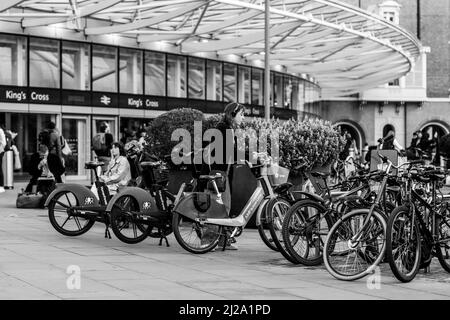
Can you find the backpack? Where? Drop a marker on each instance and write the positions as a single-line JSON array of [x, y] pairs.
[[44, 138], [98, 142]]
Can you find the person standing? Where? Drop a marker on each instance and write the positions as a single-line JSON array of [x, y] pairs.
[[102, 144], [2, 153], [232, 118], [51, 138]]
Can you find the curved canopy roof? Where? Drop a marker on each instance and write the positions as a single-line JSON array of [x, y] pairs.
[[343, 47]]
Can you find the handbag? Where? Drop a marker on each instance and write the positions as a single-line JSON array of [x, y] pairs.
[[29, 200], [65, 147]]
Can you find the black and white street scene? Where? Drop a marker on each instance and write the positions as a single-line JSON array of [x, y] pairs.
[[238, 150]]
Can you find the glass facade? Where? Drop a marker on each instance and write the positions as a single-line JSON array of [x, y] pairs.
[[155, 73], [176, 76], [44, 63], [76, 66], [229, 82], [13, 60], [257, 86], [104, 68], [130, 71], [214, 80], [196, 78], [244, 85], [84, 67]]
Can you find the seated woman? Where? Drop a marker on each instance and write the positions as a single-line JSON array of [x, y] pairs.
[[118, 173], [38, 167]]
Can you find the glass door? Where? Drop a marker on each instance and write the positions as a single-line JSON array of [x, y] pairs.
[[110, 121], [75, 130]]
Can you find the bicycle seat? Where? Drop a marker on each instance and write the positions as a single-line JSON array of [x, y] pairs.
[[282, 188], [209, 177], [320, 174], [93, 164], [151, 164]]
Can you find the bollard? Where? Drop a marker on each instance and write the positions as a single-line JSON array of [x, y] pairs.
[[8, 169]]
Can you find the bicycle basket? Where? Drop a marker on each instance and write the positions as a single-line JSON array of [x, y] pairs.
[[277, 175]]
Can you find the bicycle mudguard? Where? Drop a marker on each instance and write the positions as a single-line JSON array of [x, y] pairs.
[[188, 208], [309, 195], [261, 207], [147, 204], [86, 198]]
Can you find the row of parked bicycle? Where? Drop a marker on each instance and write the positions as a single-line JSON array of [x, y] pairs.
[[394, 214]]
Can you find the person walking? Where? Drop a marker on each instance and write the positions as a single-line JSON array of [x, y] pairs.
[[102, 145], [2, 153]]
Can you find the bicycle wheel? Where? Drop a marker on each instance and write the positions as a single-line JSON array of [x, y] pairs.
[[124, 222], [64, 219], [194, 236], [403, 249], [304, 231], [443, 243], [264, 231], [276, 210], [349, 258]]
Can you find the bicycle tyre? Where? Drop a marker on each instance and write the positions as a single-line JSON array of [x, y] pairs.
[[341, 227], [297, 213], [264, 231], [206, 243], [60, 203], [275, 218], [443, 232], [397, 231], [123, 217]]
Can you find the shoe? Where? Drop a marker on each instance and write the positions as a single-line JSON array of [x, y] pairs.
[[2, 189], [231, 247]]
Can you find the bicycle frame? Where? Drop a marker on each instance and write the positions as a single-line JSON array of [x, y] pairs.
[[262, 194]]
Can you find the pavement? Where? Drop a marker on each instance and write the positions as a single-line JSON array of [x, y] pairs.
[[36, 262]]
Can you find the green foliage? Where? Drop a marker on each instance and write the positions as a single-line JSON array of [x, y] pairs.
[[160, 131], [314, 140]]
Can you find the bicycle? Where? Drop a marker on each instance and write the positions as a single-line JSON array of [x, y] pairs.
[[200, 218], [420, 228], [356, 243], [308, 221]]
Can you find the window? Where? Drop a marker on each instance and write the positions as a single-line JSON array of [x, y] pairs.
[[196, 78], [229, 82], [244, 84], [214, 80], [288, 92], [75, 66], [130, 71], [394, 83], [104, 68], [389, 16], [278, 90], [44, 63], [176, 76], [13, 60], [257, 86], [155, 73]]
